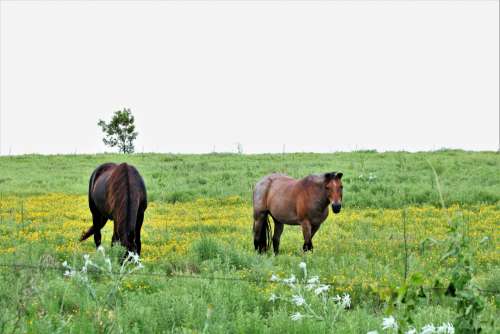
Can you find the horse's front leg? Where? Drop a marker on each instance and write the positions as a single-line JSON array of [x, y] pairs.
[[314, 229], [115, 238], [307, 232]]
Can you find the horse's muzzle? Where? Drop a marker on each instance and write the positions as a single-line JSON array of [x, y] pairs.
[[336, 207]]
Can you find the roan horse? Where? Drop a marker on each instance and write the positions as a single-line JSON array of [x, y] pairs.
[[117, 192], [293, 202]]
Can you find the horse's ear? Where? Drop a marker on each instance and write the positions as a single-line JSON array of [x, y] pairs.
[[339, 176], [329, 176]]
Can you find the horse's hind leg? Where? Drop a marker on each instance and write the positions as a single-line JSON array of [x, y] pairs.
[[278, 229], [261, 227], [114, 238], [99, 222], [138, 225], [260, 232]]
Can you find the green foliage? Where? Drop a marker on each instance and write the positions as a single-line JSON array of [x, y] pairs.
[[206, 248], [120, 131], [398, 179], [469, 301], [405, 299], [41, 300], [308, 298]]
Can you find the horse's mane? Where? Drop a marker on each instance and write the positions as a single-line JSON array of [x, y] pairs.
[[312, 180], [118, 195]]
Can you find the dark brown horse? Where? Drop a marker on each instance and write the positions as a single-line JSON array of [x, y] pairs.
[[117, 192], [289, 201]]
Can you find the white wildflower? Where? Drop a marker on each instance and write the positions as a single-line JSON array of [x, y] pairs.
[[337, 298], [298, 300], [108, 262], [322, 288], [134, 257], [273, 297], [69, 273], [100, 249], [86, 257], [303, 266], [428, 329], [389, 323], [446, 328], [411, 331], [290, 280], [313, 280], [274, 278], [312, 283], [346, 300], [296, 316]]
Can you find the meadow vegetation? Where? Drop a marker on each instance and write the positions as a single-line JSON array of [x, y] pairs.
[[383, 180], [201, 273]]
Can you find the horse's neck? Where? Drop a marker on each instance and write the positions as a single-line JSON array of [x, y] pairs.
[[320, 196], [324, 202]]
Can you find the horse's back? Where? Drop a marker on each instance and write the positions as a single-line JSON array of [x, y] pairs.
[[268, 186], [137, 185], [102, 171], [110, 178], [132, 181], [97, 186]]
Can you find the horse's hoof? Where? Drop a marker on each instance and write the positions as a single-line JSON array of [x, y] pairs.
[[307, 247]]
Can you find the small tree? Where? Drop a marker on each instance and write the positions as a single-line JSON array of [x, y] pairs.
[[120, 131]]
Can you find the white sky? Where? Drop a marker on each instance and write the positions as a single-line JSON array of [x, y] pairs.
[[321, 76]]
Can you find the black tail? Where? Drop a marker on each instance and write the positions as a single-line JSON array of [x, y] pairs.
[[265, 237], [124, 204], [86, 235]]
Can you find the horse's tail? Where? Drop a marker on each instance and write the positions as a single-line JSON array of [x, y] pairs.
[[269, 233], [124, 205], [264, 238]]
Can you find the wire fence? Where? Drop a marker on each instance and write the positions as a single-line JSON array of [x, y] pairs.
[[172, 275]]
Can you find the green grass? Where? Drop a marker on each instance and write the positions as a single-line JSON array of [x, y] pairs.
[[353, 252], [397, 178]]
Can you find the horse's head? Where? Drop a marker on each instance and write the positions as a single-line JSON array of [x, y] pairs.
[[333, 184]]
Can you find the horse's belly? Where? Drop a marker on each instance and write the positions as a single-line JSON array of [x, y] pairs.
[[285, 217], [292, 222], [281, 208]]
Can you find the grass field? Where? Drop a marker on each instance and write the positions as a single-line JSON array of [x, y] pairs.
[[201, 273]]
